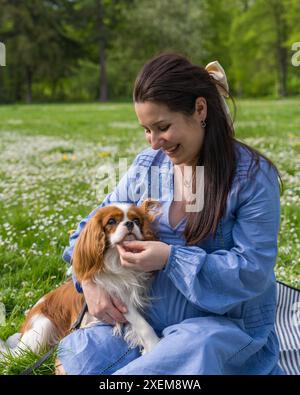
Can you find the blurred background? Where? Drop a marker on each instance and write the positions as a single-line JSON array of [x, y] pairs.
[[91, 50]]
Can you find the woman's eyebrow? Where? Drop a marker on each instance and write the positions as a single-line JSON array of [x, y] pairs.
[[155, 123]]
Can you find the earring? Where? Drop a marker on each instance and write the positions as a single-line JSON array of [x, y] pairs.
[[203, 123]]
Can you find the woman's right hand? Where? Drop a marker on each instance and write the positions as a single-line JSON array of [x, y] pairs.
[[101, 305]]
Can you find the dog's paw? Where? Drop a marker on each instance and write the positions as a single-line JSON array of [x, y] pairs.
[[146, 350], [150, 346], [117, 330], [143, 352]]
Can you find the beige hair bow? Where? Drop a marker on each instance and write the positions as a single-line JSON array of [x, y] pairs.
[[217, 72]]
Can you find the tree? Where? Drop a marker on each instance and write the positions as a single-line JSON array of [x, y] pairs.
[[278, 12], [38, 46], [99, 26], [259, 47], [148, 28]]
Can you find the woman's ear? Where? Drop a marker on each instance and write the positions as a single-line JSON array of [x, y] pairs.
[[88, 252], [201, 108]]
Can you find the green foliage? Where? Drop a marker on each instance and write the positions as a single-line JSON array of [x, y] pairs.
[[38, 47], [65, 50]]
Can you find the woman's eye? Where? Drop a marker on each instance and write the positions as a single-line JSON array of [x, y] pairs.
[[111, 221], [137, 221], [164, 129], [161, 129]]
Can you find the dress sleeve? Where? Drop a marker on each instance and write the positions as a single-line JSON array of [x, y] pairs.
[[219, 281], [124, 192]]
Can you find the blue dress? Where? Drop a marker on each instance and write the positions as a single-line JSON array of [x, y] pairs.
[[214, 303]]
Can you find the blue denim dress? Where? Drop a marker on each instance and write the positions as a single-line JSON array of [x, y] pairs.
[[214, 303]]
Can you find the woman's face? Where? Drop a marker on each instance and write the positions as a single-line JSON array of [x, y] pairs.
[[179, 136]]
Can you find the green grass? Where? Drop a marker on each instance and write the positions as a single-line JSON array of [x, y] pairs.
[[53, 158], [15, 365]]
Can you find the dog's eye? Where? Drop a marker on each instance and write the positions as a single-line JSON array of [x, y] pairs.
[[137, 221], [111, 221]]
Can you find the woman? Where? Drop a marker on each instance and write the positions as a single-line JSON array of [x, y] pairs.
[[214, 290]]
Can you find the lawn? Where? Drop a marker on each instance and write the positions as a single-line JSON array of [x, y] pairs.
[[53, 164]]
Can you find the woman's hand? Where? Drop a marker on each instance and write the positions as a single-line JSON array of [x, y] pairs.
[[144, 256], [101, 305]]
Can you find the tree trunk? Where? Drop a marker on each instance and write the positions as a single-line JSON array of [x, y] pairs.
[[103, 91], [18, 85], [29, 85], [103, 76], [282, 71], [54, 90], [281, 50]]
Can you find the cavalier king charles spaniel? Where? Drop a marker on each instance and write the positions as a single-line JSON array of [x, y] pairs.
[[96, 257]]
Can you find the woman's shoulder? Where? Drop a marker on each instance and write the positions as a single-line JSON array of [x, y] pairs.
[[252, 166], [255, 182]]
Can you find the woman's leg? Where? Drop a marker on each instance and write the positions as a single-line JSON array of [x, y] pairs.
[[201, 345], [94, 351]]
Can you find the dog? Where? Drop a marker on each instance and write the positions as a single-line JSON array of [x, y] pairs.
[[96, 257]]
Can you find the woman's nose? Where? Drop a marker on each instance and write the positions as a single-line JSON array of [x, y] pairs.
[[155, 141]]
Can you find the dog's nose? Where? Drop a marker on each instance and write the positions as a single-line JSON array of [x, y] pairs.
[[129, 225]]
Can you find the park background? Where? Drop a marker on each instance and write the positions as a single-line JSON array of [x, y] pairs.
[[66, 116]]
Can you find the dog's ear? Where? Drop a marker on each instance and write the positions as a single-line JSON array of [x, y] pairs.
[[152, 208], [88, 252]]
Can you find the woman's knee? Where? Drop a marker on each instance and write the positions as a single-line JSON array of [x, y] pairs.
[[94, 350]]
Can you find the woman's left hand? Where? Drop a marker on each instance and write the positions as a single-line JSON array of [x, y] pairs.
[[144, 256]]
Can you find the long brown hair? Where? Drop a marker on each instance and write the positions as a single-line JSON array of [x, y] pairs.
[[172, 80]]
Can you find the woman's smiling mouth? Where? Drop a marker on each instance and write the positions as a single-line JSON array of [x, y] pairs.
[[172, 150]]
